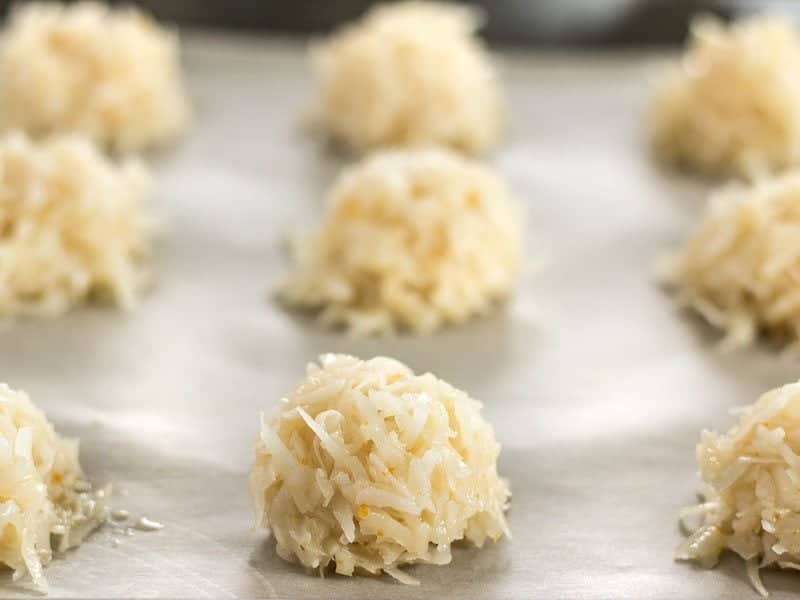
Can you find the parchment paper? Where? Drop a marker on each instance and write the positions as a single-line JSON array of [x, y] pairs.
[[597, 387]]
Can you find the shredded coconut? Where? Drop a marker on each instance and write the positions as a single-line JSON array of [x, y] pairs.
[[371, 467], [751, 499], [112, 74], [72, 227], [409, 74], [412, 239], [45, 505], [733, 104], [740, 268]]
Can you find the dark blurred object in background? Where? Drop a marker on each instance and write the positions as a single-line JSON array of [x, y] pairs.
[[519, 22], [540, 22], [544, 22]]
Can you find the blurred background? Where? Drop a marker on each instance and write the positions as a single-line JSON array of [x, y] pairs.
[[514, 22]]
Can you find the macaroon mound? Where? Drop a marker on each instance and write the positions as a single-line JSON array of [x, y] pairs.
[[751, 499], [45, 503], [740, 268], [733, 104], [72, 227], [412, 240], [111, 74], [422, 76], [369, 466]]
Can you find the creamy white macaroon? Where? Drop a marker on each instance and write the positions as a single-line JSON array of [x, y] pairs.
[[45, 503], [74, 226], [368, 467], [409, 74], [411, 240], [739, 267], [732, 106], [751, 501], [112, 74]]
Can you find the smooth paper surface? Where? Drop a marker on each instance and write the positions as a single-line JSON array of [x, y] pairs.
[[597, 385]]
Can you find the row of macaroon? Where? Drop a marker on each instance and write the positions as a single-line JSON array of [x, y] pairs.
[[696, 121]]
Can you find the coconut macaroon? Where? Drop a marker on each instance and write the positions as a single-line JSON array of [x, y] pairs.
[[111, 74], [411, 239], [46, 505], [751, 500], [740, 268], [733, 104], [409, 74], [73, 227], [369, 466]]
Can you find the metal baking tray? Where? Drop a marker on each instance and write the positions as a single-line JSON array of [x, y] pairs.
[[597, 386]]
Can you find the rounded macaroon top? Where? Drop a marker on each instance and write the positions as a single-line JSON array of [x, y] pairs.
[[41, 501], [423, 77], [733, 104], [74, 226], [738, 267], [751, 505], [112, 74], [411, 239], [370, 466]]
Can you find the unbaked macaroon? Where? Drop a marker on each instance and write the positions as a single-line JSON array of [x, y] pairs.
[[410, 240], [370, 467], [740, 267], [732, 106], [110, 73], [409, 74], [74, 226], [46, 505], [751, 501]]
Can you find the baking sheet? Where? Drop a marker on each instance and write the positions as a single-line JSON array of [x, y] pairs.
[[597, 387]]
